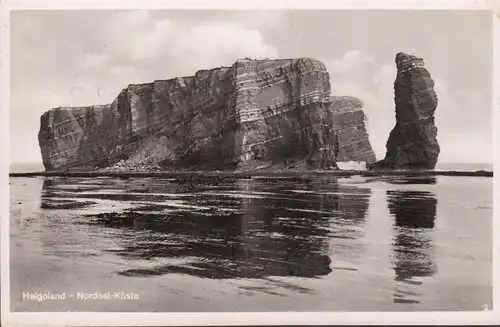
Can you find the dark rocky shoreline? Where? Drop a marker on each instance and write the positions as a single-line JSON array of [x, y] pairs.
[[340, 173]]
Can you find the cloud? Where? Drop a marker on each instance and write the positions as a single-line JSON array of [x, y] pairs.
[[383, 78], [350, 61], [166, 50], [223, 39], [136, 35]]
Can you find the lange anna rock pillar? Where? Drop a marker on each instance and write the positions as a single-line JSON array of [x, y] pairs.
[[412, 143]]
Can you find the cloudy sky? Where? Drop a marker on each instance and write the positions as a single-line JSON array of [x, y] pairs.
[[75, 58]]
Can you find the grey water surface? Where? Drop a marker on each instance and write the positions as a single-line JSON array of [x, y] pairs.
[[256, 244]]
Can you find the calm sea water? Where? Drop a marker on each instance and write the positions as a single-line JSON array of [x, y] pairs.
[[260, 244]]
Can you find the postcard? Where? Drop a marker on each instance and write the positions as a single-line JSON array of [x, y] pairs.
[[294, 162]]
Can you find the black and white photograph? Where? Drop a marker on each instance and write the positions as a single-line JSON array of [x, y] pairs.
[[256, 160]]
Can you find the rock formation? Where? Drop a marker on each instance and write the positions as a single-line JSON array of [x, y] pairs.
[[256, 114], [412, 143]]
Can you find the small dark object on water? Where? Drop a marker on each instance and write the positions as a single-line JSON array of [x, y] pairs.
[[139, 190]]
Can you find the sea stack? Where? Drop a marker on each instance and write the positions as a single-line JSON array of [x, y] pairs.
[[253, 115], [412, 143]]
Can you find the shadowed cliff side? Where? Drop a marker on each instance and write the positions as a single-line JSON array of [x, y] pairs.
[[256, 114], [412, 143]]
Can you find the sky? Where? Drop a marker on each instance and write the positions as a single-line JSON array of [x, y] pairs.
[[77, 58]]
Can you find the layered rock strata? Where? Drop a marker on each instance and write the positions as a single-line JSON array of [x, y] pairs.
[[254, 114], [412, 143]]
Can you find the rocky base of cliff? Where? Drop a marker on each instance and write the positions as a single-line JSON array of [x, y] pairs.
[[255, 166]]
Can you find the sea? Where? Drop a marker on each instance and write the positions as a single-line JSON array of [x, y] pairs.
[[253, 244]]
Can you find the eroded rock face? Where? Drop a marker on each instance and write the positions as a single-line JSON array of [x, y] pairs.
[[412, 143], [255, 114]]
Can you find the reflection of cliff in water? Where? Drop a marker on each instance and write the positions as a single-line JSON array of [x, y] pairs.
[[251, 228], [414, 213]]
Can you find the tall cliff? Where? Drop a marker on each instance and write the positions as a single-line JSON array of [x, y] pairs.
[[412, 143], [254, 114]]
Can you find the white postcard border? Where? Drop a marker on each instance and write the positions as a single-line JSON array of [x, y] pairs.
[[267, 318]]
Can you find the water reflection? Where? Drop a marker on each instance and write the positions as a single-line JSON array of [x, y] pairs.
[[224, 227], [414, 213], [118, 232], [415, 180], [408, 180]]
